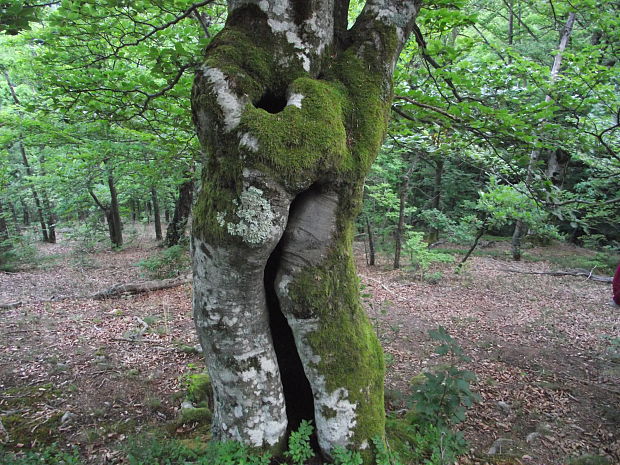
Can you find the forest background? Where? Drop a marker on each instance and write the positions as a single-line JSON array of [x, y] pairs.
[[505, 125]]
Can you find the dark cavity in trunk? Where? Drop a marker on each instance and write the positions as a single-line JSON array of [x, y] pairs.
[[297, 391]]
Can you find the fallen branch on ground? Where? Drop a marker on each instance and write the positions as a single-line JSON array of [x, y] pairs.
[[115, 291], [139, 288], [576, 272], [9, 305]]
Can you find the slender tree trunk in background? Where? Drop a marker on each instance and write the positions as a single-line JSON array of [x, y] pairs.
[[182, 210], [481, 232], [29, 171], [511, 24], [292, 108], [14, 215], [134, 210], [114, 227], [25, 213], [35, 194], [371, 243], [114, 215], [156, 214], [433, 234], [51, 219], [400, 229], [520, 226], [49, 208], [166, 215], [4, 235], [4, 230]]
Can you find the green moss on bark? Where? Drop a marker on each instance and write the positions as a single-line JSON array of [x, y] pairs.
[[298, 143], [350, 354]]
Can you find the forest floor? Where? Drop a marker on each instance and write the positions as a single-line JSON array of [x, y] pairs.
[[545, 350]]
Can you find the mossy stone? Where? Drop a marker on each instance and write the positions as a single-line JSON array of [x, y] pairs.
[[199, 388], [201, 415]]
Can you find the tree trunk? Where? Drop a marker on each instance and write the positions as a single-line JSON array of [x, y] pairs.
[[14, 215], [371, 244], [4, 230], [29, 171], [520, 227], [291, 108], [134, 210], [433, 234], [25, 212], [51, 219], [35, 194], [113, 215], [400, 229], [156, 214], [182, 209]]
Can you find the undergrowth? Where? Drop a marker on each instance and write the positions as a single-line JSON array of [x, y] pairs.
[[424, 435], [168, 263]]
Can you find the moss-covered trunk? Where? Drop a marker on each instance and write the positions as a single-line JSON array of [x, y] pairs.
[[291, 109]]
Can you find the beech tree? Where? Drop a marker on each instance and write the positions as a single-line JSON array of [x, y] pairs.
[[291, 108]]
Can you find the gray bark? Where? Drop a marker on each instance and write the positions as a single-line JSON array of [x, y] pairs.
[[291, 123]]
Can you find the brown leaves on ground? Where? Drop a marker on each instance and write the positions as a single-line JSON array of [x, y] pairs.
[[544, 349]]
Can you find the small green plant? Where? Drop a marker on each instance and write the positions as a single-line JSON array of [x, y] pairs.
[[299, 448], [342, 456], [51, 455], [231, 453], [150, 450], [443, 398], [420, 256], [168, 263]]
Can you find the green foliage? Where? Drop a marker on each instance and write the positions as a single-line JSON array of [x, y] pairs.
[[89, 235], [150, 450], [420, 256], [416, 442], [51, 455], [343, 456], [299, 448], [17, 252], [170, 262], [444, 397]]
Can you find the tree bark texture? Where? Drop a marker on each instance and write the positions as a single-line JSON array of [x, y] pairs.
[[291, 109], [182, 210]]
